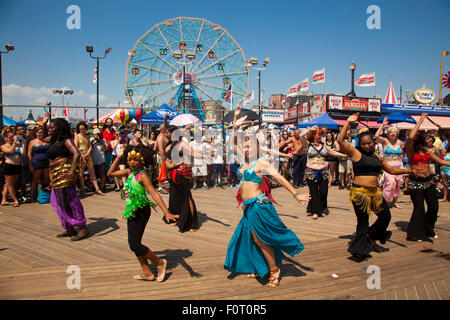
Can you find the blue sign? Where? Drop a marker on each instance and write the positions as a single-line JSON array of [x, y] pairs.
[[416, 109]]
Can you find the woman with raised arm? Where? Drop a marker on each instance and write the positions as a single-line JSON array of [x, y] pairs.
[[317, 173], [260, 238], [138, 206], [393, 154], [63, 164], [365, 195], [420, 185]]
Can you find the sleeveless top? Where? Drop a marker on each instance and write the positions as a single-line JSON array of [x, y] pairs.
[[367, 165], [389, 151], [313, 152], [135, 195], [418, 158], [83, 144], [249, 174], [58, 149]]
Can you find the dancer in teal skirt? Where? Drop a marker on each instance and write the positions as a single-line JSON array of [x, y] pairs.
[[260, 238]]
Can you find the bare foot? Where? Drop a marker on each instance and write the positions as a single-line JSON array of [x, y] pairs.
[[396, 205], [150, 277], [442, 200], [161, 270], [315, 216], [192, 230]]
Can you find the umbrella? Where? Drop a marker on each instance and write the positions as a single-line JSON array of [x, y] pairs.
[[157, 116], [183, 120], [251, 115], [396, 117], [323, 120], [8, 122]]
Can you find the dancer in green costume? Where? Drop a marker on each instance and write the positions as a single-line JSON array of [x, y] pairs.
[[138, 206]]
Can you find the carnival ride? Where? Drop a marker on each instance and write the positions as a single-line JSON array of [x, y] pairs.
[[189, 64]]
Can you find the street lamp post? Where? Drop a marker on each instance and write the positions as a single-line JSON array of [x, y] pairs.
[[352, 69], [90, 50], [9, 47], [444, 53], [253, 62]]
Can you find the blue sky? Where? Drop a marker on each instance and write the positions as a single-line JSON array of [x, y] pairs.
[[299, 36]]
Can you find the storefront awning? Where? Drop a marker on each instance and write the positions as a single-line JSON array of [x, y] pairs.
[[444, 122], [370, 124]]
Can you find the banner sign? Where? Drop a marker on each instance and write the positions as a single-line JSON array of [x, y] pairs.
[[319, 104], [416, 109], [303, 110], [354, 104], [298, 87], [272, 116]]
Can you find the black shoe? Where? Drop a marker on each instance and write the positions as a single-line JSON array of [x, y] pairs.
[[78, 238], [67, 233], [377, 248], [341, 187], [387, 237], [360, 258]]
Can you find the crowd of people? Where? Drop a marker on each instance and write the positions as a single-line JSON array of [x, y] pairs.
[[66, 163]]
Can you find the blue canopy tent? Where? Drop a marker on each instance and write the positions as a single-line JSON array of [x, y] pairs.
[[157, 116], [396, 117], [8, 122], [323, 120]]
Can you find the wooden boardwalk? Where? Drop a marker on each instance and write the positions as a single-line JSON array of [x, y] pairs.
[[34, 263]]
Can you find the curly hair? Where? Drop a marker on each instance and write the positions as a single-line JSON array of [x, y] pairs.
[[311, 136], [146, 152], [362, 135], [62, 130]]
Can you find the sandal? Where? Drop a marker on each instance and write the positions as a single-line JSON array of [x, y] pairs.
[[142, 277], [274, 278], [162, 275], [67, 233], [253, 275], [16, 205]]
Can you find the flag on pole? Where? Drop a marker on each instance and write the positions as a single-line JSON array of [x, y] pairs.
[[270, 103], [178, 78], [56, 111], [318, 76], [229, 95], [246, 99], [76, 112], [85, 111], [304, 85], [95, 75], [366, 80]]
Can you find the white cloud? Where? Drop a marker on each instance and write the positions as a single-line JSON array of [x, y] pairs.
[[15, 90]]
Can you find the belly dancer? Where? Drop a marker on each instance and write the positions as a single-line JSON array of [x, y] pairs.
[[260, 238]]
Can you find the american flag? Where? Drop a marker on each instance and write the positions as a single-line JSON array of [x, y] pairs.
[[228, 94]]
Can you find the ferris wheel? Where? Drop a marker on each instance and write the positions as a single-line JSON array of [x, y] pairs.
[[186, 63]]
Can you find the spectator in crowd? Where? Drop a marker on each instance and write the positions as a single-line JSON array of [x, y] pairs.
[[108, 134], [13, 148], [99, 147], [37, 153]]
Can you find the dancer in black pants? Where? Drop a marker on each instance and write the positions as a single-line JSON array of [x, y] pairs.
[[317, 173], [365, 195], [421, 187]]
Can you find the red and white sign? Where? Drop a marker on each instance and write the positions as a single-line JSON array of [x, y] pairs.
[[374, 105], [356, 104], [335, 102], [366, 80], [298, 87], [318, 76]]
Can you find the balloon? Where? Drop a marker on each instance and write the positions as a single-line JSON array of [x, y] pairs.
[[123, 115], [137, 113]]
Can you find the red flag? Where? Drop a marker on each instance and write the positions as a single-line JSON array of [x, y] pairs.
[[66, 111], [95, 75]]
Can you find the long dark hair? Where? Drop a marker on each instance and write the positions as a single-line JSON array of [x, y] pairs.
[[82, 123], [62, 130], [420, 141]]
